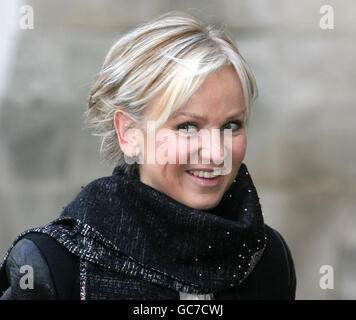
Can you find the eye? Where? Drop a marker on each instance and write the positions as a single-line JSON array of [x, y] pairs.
[[187, 128], [236, 125]]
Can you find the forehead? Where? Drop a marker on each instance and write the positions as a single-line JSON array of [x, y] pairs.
[[221, 91], [220, 94]]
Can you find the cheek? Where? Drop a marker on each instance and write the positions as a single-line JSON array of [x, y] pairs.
[[176, 150], [169, 151], [239, 145], [182, 149]]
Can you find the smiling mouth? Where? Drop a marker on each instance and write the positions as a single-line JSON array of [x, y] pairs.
[[208, 174], [204, 177]]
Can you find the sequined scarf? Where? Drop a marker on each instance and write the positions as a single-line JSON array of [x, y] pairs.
[[123, 225]]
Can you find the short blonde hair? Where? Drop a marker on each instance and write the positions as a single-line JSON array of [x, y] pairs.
[[170, 55]]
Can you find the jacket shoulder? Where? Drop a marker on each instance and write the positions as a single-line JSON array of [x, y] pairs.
[[28, 273], [55, 270], [278, 266]]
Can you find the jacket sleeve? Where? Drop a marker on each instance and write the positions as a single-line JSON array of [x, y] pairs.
[[28, 274], [292, 281]]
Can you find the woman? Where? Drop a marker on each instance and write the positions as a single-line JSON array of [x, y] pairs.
[[180, 217]]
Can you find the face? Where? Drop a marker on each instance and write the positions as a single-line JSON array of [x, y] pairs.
[[217, 105]]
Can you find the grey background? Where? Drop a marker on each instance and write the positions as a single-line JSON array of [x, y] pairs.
[[301, 140]]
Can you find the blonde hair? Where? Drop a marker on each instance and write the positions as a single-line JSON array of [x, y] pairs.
[[170, 55]]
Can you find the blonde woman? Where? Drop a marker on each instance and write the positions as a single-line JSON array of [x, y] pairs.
[[179, 218]]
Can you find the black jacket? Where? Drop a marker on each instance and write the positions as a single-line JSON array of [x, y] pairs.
[[56, 272]]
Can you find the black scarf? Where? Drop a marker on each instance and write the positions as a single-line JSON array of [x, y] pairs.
[[124, 225], [206, 249]]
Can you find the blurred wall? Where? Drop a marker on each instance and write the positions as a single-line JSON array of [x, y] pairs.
[[301, 140]]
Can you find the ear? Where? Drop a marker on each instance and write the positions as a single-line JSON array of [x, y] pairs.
[[125, 129]]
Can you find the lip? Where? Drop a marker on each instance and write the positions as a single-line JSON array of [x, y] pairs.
[[204, 169], [205, 181]]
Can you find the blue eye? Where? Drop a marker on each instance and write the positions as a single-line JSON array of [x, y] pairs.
[[187, 128], [190, 128], [238, 125]]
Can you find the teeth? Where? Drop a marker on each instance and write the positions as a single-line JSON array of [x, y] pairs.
[[204, 174]]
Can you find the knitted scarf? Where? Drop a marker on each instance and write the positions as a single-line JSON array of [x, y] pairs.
[[121, 224]]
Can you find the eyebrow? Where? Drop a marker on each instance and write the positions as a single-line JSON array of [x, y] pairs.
[[188, 114]]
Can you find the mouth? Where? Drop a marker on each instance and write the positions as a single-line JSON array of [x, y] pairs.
[[204, 177]]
